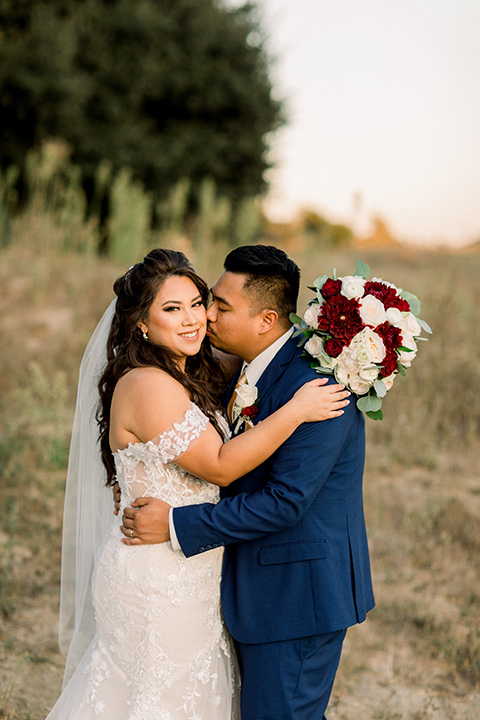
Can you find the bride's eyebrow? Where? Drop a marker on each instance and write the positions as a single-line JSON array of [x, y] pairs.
[[179, 302]]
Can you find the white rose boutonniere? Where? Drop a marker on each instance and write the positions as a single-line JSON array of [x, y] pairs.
[[245, 406]]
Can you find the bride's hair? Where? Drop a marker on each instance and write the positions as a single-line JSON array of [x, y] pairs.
[[203, 378]]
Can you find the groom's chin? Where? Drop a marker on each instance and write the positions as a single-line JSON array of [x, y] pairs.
[[213, 339], [217, 344]]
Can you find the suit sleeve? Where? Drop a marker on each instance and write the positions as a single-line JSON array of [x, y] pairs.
[[298, 471]]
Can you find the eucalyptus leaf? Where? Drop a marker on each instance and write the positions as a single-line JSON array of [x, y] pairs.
[[362, 269], [413, 301], [320, 282], [294, 318], [401, 369], [369, 403], [425, 326], [375, 415], [321, 370], [380, 388], [404, 349]]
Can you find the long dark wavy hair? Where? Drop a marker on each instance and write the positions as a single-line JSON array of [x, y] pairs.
[[203, 378]]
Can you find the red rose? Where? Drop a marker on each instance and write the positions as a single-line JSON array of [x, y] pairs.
[[387, 295], [250, 411], [391, 336], [331, 288], [333, 347], [339, 317], [389, 364]]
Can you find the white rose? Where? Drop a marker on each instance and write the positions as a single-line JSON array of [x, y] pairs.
[[358, 349], [388, 381], [311, 315], [367, 344], [410, 324], [246, 396], [388, 284], [348, 362], [352, 286], [314, 346], [326, 361], [394, 317], [359, 386], [370, 373], [375, 345], [372, 311], [407, 341]]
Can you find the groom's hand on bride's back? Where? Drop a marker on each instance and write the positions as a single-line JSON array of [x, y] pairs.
[[145, 522]]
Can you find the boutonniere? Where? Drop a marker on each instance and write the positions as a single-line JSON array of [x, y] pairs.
[[245, 406]]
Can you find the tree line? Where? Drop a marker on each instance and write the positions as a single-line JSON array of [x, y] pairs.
[[170, 89]]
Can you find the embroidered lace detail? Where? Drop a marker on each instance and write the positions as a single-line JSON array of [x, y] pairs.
[[161, 650], [176, 440], [149, 469]]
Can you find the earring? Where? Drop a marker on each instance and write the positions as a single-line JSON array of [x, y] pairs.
[[145, 336]]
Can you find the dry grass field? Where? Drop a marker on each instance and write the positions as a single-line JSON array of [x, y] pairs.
[[418, 654]]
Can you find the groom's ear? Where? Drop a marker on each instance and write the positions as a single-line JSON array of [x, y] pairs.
[[268, 320]]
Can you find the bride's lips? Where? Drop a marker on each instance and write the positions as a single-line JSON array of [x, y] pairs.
[[192, 335]]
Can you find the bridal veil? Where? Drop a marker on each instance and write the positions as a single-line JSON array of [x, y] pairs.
[[88, 504]]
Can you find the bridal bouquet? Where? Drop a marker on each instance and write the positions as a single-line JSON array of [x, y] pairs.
[[365, 332]]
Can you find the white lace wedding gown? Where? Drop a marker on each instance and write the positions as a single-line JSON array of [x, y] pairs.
[[161, 651]]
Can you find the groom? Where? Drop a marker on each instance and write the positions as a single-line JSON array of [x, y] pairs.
[[296, 571]]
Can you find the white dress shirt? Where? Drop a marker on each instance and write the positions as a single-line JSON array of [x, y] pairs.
[[253, 371]]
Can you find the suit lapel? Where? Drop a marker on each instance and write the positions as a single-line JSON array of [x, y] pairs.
[[269, 377], [274, 370]]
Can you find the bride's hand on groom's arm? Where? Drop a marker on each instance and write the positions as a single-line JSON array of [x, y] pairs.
[[145, 522]]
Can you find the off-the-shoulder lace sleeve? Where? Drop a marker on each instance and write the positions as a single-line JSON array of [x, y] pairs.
[[180, 436]]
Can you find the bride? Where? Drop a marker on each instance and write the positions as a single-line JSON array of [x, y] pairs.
[[142, 626]]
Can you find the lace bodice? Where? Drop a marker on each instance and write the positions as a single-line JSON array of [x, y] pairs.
[[149, 469], [161, 650]]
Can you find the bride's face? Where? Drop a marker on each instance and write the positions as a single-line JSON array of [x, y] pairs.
[[177, 318]]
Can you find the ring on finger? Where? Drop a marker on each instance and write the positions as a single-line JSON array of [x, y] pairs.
[[131, 532]]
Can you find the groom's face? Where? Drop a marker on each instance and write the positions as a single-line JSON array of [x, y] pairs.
[[232, 323]]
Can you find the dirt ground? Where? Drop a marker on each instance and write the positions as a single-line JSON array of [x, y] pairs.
[[415, 657]]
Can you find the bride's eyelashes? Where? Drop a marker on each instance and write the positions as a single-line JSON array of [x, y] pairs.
[[197, 303]]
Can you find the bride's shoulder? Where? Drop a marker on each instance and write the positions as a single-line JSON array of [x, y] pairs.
[[148, 382], [146, 401]]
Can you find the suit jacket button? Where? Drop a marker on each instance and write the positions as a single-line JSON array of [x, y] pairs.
[[201, 549]]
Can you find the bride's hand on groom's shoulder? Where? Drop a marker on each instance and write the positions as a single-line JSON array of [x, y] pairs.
[[145, 522]]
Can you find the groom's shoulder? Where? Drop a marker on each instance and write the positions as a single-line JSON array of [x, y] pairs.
[[298, 369]]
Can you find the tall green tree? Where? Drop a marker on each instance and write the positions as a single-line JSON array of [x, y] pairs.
[[170, 88]]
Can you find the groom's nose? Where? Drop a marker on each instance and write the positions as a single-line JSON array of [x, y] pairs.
[[212, 313]]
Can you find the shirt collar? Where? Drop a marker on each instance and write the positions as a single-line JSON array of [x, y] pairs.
[[259, 364]]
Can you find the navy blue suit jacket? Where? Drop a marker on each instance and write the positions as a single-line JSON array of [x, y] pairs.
[[296, 557]]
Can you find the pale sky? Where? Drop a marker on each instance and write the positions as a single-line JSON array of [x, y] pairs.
[[383, 98]]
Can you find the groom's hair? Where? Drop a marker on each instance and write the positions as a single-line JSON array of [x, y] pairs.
[[272, 278]]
